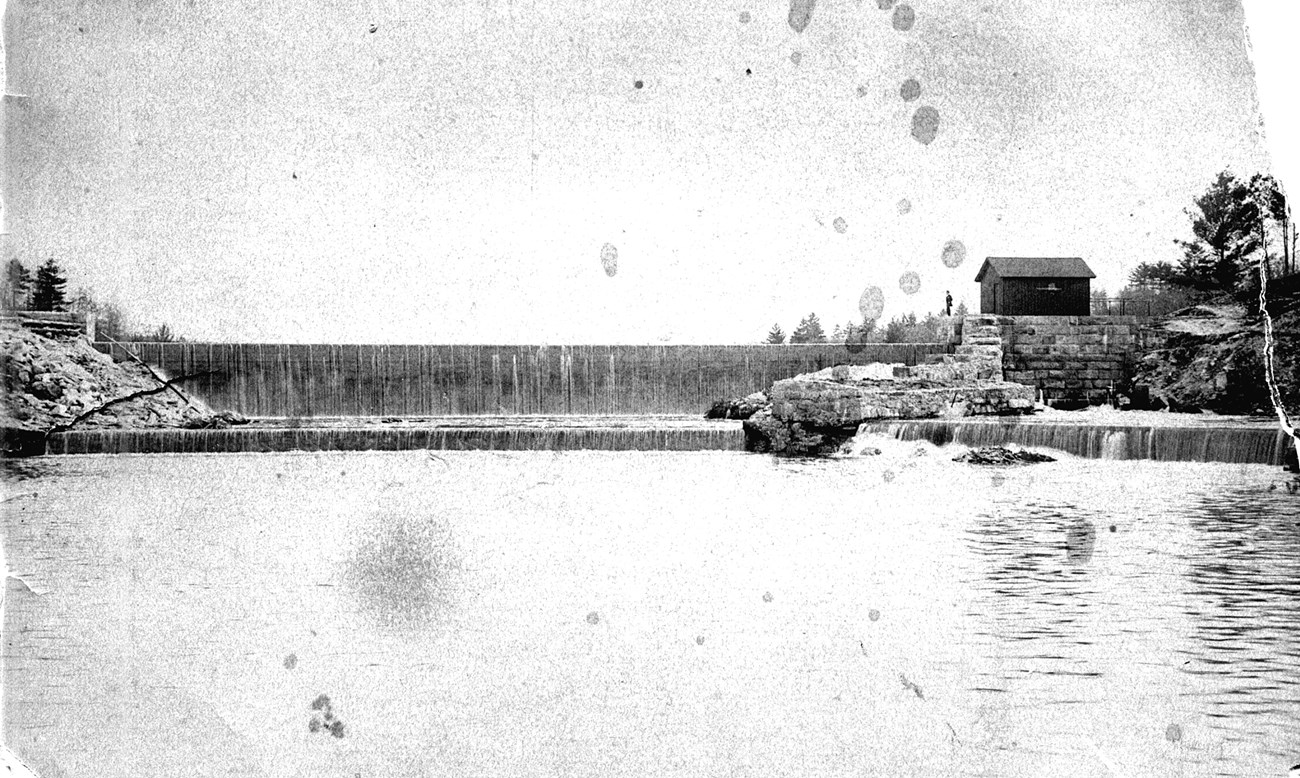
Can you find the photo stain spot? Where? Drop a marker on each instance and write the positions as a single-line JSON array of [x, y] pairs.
[[638, 83], [862, 91], [1080, 540], [998, 479], [904, 18], [904, 206], [796, 57], [767, 596], [801, 12], [329, 723], [749, 72], [1112, 528], [593, 618], [925, 124], [910, 90], [859, 336], [873, 614], [840, 225], [1173, 733], [609, 259], [290, 661], [887, 476], [909, 282], [871, 303], [912, 686], [745, 17], [954, 253], [884, 5], [403, 570], [699, 640]]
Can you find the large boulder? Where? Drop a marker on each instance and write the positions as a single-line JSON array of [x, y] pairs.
[[738, 407], [817, 413], [849, 403]]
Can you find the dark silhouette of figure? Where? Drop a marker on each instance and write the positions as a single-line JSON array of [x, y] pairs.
[[947, 304]]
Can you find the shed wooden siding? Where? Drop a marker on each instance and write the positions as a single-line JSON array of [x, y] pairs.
[[1030, 297], [1035, 286]]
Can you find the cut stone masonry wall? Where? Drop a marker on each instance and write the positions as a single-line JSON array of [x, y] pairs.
[[1068, 357]]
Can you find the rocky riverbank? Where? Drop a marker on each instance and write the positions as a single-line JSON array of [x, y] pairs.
[[817, 414], [1211, 358], [52, 385]]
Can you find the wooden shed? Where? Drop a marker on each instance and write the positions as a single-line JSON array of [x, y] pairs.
[[1035, 286]]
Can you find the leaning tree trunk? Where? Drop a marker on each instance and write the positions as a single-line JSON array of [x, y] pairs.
[[1275, 396]]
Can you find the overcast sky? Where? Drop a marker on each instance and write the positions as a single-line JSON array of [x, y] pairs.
[[392, 171]]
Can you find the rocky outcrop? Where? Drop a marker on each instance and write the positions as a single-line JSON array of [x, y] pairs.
[[55, 384], [818, 413], [823, 403], [739, 407], [1211, 358], [998, 455]]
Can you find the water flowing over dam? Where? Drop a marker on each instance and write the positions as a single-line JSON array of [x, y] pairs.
[[1244, 443], [1232, 442], [437, 380], [448, 434]]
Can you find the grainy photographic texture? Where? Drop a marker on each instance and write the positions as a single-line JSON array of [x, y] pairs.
[[824, 387]]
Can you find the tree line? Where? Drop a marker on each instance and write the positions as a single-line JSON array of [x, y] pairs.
[[907, 328], [1238, 226], [46, 290]]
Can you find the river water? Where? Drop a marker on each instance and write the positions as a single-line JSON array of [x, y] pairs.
[[649, 613]]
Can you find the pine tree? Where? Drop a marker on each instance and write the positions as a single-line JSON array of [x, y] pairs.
[[17, 282], [776, 335], [47, 293], [809, 331], [1223, 224]]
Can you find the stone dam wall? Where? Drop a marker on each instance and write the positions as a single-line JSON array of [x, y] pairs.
[[1067, 357]]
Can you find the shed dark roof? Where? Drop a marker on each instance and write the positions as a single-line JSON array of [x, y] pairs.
[[1036, 267]]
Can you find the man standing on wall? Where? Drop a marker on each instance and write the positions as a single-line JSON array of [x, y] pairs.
[[947, 304]]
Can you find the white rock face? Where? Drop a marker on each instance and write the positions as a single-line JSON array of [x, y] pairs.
[[876, 371]]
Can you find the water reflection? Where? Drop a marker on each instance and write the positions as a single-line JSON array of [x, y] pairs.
[[1045, 642], [27, 468], [1243, 600], [403, 570], [1080, 538], [1035, 593]]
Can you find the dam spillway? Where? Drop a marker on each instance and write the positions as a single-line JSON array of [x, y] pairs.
[[326, 380], [1196, 440], [608, 433], [1231, 441]]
